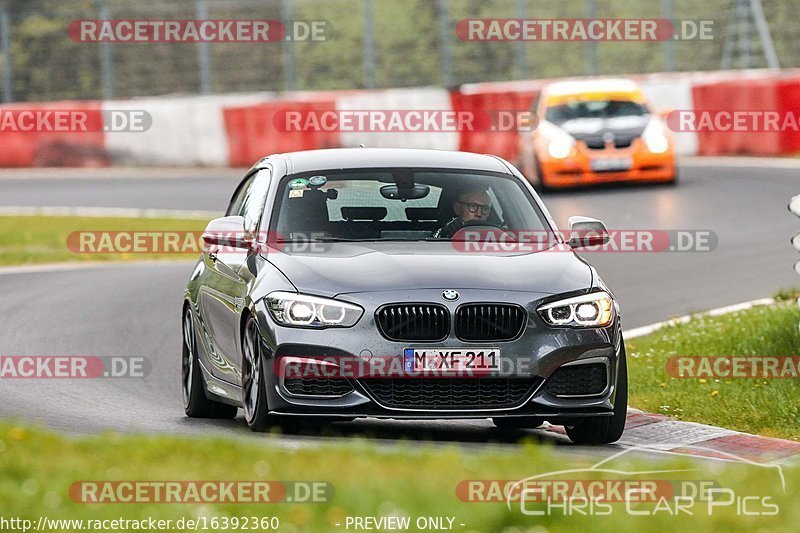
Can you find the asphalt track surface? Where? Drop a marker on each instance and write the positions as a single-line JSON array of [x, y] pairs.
[[133, 310]]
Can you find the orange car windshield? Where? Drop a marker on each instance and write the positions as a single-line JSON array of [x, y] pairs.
[[589, 109]]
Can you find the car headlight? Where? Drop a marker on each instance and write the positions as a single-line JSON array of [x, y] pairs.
[[655, 139], [561, 146], [301, 310], [591, 310]]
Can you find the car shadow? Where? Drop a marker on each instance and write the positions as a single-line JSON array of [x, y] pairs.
[[480, 432]]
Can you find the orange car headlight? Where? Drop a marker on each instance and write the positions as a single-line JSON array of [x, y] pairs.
[[655, 138]]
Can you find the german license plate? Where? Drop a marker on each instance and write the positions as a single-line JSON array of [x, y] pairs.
[[612, 164], [450, 360]]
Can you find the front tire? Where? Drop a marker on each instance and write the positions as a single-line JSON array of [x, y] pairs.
[[195, 402], [254, 386], [606, 429]]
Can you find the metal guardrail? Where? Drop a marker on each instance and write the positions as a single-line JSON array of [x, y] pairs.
[[371, 44]]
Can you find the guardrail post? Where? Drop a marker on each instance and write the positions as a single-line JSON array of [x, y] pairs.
[[591, 46], [445, 30], [370, 74], [289, 71], [106, 55], [520, 47], [203, 50], [5, 51]]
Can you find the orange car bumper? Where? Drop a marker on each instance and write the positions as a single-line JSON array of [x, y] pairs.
[[581, 167]]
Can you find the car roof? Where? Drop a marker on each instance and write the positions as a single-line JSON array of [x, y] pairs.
[[347, 158], [563, 88]]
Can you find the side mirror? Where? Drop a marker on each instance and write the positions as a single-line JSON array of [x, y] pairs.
[[585, 231], [228, 231]]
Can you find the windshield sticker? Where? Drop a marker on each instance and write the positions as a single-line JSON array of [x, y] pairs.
[[298, 183], [317, 181], [296, 193]]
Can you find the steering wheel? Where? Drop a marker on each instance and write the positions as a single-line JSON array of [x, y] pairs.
[[483, 226]]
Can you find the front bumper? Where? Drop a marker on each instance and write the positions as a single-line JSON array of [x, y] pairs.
[[576, 170], [534, 356]]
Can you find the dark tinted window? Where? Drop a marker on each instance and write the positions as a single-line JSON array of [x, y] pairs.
[[350, 205], [594, 109]]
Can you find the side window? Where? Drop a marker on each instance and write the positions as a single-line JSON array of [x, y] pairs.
[[254, 199], [237, 202]]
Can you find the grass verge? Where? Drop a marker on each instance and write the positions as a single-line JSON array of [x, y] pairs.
[[762, 406], [44, 239], [37, 469]]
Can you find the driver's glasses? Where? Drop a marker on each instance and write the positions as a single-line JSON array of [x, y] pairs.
[[473, 207]]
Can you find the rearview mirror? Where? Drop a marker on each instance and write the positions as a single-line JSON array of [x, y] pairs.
[[585, 231], [395, 192], [228, 231]]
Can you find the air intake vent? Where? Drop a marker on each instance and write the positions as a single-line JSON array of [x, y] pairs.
[[451, 393], [578, 380], [489, 322], [414, 322], [318, 386]]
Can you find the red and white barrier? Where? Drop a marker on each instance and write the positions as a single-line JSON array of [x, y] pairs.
[[236, 130], [415, 99], [185, 131], [44, 147], [669, 94], [774, 94], [255, 130]]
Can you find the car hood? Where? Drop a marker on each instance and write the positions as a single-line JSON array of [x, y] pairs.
[[590, 128], [339, 268]]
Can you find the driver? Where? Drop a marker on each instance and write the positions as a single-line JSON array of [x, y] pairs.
[[473, 204]]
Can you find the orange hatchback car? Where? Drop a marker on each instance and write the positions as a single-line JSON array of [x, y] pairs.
[[595, 131]]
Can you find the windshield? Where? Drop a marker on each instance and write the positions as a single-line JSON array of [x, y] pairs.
[[590, 109], [400, 204]]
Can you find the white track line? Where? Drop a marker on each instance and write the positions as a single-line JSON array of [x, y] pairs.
[[651, 328], [740, 162], [104, 212], [87, 265], [121, 173]]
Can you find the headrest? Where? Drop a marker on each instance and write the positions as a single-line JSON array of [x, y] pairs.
[[364, 213], [418, 214]]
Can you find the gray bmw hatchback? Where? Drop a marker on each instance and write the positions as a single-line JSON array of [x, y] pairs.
[[406, 284]]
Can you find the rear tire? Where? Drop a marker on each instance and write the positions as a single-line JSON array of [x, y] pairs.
[[195, 402], [606, 429], [254, 386], [528, 422]]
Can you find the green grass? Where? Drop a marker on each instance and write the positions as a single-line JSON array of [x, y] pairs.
[[43, 239], [762, 406], [37, 468]]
